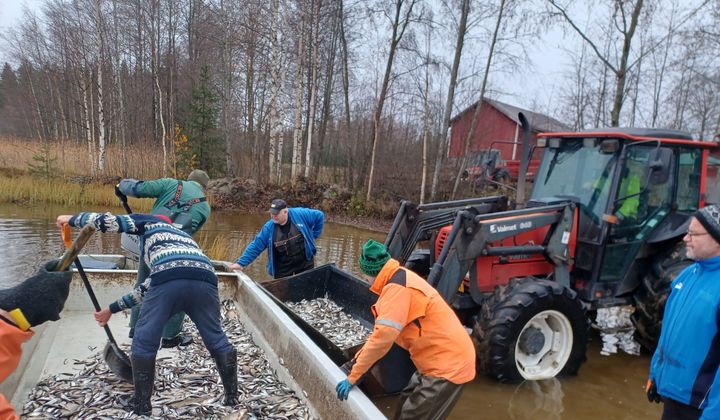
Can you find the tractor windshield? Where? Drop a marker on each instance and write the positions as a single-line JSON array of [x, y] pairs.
[[576, 170]]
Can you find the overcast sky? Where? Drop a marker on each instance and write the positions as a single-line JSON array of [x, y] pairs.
[[10, 13]]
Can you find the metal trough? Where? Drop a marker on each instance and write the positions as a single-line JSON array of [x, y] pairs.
[[392, 373]]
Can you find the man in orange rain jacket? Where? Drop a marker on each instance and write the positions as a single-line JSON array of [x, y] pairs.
[[36, 300], [412, 314]]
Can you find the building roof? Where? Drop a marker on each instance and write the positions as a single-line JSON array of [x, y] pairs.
[[539, 122]]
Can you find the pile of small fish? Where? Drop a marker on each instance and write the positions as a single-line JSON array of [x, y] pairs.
[[328, 317], [617, 330], [187, 385]]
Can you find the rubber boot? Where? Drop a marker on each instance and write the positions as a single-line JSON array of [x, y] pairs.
[[227, 366], [144, 380]]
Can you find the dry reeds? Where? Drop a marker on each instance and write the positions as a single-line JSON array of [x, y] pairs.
[[30, 190], [217, 247], [72, 158]]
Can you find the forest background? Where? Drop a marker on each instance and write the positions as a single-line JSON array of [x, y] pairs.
[[355, 94]]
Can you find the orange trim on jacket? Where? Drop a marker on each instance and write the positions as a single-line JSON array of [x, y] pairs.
[[11, 337], [412, 314]]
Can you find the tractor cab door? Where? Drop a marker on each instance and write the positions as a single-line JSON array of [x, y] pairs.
[[642, 198]]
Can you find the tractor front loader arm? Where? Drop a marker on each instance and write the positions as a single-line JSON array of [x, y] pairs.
[[414, 222], [480, 235]]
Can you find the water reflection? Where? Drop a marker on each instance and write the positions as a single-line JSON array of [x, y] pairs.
[[537, 400]]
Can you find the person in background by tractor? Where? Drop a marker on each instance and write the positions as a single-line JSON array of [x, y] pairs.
[[289, 236], [684, 369], [184, 202], [412, 314], [36, 300], [628, 194], [182, 278]]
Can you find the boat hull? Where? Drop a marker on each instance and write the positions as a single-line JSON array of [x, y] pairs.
[[296, 360]]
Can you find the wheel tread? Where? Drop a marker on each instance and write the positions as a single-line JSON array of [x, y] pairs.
[[496, 326], [651, 296]]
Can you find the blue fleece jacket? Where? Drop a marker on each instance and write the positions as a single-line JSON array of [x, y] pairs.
[[685, 364], [308, 221]]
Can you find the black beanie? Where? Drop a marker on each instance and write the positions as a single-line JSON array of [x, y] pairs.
[[709, 217]]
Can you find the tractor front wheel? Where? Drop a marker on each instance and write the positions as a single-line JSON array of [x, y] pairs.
[[531, 329]]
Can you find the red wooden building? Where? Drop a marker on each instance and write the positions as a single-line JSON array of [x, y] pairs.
[[498, 127]]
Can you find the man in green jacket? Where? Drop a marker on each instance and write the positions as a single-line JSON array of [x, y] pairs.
[[185, 203]]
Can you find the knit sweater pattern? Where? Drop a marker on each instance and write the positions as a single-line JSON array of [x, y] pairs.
[[169, 252]]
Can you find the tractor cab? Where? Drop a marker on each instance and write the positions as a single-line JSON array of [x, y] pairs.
[[633, 189]]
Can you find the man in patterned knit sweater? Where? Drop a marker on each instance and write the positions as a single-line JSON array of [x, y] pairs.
[[181, 278]]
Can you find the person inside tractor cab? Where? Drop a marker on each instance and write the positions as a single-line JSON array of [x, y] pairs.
[[628, 196]]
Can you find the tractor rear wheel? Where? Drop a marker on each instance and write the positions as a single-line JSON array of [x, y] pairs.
[[531, 329], [651, 295]]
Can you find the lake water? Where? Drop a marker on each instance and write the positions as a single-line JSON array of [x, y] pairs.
[[606, 387]]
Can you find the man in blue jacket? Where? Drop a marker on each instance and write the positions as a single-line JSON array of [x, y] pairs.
[[289, 236], [684, 369]]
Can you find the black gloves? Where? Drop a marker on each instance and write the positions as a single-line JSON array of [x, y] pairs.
[[41, 297], [652, 393]]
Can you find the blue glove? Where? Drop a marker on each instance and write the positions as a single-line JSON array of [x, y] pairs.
[[343, 389]]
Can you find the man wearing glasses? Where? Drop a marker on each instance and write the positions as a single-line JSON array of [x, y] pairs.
[[684, 368]]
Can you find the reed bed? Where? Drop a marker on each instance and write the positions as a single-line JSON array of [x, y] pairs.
[[29, 190], [72, 159], [219, 246]]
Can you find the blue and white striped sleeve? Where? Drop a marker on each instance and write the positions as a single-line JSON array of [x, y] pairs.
[[133, 298], [106, 222]]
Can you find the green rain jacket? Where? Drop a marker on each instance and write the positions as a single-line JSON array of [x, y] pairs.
[[164, 190]]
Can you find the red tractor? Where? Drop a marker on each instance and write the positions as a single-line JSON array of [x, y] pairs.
[[524, 279]]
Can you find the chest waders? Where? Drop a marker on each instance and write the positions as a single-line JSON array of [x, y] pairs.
[[289, 251]]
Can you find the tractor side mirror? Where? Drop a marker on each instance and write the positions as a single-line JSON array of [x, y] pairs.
[[659, 163]]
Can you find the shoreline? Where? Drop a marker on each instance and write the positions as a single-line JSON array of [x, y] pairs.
[[375, 225]]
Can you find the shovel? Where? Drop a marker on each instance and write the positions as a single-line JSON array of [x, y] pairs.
[[116, 359]]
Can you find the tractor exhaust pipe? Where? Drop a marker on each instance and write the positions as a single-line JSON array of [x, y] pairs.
[[524, 161]]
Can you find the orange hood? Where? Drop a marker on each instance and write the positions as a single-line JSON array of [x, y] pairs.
[[384, 275]]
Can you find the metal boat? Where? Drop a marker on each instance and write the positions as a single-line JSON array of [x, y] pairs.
[[296, 359]]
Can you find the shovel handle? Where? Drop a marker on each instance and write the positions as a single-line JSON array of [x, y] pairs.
[[73, 248], [123, 199]]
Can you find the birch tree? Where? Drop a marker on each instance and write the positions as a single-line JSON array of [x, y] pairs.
[[100, 45], [447, 111], [276, 141], [399, 24], [315, 30], [298, 94], [481, 99]]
